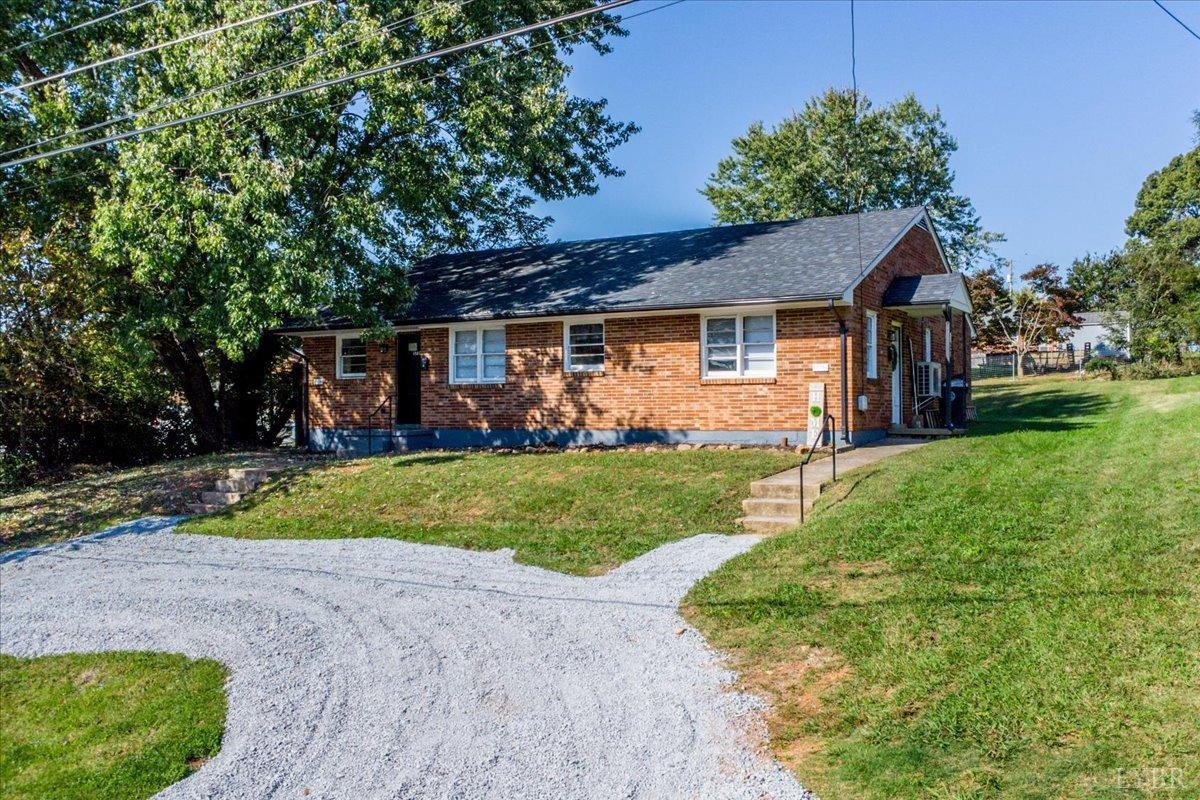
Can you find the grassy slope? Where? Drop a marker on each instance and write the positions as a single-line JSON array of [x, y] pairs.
[[1013, 614], [109, 725], [574, 511], [72, 508]]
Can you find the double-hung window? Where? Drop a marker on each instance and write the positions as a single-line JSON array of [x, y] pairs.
[[739, 346], [351, 357], [583, 347], [871, 342], [477, 355]]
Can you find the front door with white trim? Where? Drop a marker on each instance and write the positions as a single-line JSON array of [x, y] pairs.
[[897, 360]]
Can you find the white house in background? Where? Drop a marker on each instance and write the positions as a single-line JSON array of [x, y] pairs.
[[1094, 337]]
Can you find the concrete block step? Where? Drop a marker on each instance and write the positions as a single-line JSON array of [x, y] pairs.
[[220, 498], [785, 489], [203, 508], [254, 473], [242, 485], [775, 507], [759, 524]]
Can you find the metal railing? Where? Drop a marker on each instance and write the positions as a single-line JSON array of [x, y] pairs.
[[371, 424], [828, 425]]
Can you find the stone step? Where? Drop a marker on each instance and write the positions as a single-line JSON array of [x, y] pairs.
[[241, 485], [254, 473], [767, 524], [220, 498], [775, 507], [786, 489], [203, 508]]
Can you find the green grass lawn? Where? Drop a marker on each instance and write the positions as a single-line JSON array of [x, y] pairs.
[[1011, 614], [88, 504], [575, 511], [110, 725]]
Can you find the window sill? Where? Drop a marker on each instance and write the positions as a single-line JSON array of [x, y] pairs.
[[738, 380], [598, 373], [469, 384], [351, 377]]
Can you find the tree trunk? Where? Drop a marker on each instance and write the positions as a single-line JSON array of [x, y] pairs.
[[182, 359], [245, 393]]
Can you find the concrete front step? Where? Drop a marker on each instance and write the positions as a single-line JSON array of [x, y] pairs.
[[203, 508], [220, 498], [760, 524], [784, 489], [241, 485], [254, 473], [775, 506]]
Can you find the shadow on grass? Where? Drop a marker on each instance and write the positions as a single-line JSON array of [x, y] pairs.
[[1016, 408]]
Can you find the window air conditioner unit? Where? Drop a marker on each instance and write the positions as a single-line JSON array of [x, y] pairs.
[[929, 378]]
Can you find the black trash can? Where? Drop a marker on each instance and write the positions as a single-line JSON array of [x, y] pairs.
[[958, 401]]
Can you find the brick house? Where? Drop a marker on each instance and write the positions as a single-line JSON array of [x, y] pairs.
[[715, 335]]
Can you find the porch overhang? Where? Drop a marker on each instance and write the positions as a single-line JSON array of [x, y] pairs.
[[928, 295]]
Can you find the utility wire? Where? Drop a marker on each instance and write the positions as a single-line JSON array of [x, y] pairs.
[[366, 73], [230, 83], [152, 48], [80, 26], [429, 79], [1182, 24]]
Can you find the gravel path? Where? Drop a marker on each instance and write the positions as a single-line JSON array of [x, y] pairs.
[[377, 668]]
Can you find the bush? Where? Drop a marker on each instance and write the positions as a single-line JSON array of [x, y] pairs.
[[16, 472], [1101, 367], [1150, 370]]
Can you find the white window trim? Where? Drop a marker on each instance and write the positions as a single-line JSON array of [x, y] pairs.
[[928, 344], [740, 372], [567, 365], [871, 342], [478, 331], [337, 356]]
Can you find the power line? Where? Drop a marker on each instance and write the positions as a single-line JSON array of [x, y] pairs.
[[366, 73], [152, 48], [429, 79], [1182, 24], [228, 84], [80, 26]]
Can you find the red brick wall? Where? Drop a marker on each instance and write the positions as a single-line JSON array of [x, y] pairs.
[[652, 371], [346, 402], [916, 254]]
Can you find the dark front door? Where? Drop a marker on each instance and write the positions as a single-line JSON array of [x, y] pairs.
[[408, 379]]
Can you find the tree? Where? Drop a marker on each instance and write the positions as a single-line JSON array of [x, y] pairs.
[[840, 155], [199, 238], [1098, 280], [1019, 319]]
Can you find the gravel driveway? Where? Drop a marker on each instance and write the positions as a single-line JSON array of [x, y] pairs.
[[377, 668]]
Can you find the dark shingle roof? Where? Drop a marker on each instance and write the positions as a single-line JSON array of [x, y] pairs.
[[922, 290], [798, 260], [808, 259]]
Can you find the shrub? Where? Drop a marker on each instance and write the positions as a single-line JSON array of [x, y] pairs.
[[1101, 367], [1150, 370], [16, 472]]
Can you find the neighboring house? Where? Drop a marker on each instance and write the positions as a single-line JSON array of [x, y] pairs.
[[714, 335], [1094, 336]]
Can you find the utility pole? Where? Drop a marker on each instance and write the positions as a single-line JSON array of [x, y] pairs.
[[1017, 341]]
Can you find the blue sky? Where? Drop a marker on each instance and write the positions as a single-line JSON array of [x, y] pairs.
[[1060, 109]]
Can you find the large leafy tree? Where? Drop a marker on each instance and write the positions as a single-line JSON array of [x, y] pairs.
[[841, 154], [1018, 319], [197, 239]]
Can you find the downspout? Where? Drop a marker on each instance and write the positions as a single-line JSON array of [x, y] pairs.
[[845, 426]]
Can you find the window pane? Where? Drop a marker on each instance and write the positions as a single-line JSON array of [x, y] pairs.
[[493, 367], [587, 360], [464, 342], [759, 358], [493, 340], [721, 330], [728, 351], [587, 334], [758, 329], [464, 368], [718, 365], [354, 365]]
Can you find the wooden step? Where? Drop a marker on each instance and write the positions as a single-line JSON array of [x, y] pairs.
[[220, 498], [761, 524]]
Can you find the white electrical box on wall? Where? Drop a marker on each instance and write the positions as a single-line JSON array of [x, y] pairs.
[[820, 366], [318, 381], [862, 402]]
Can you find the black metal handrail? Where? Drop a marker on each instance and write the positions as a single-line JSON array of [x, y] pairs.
[[371, 423], [825, 427]]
